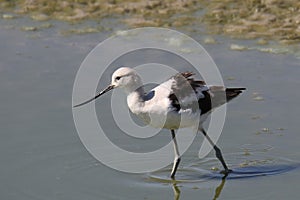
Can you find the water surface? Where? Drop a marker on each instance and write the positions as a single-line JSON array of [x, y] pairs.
[[43, 158]]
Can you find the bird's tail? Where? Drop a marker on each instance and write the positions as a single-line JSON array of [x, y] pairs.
[[231, 93], [217, 96]]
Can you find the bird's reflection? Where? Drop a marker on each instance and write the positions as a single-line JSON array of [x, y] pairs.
[[176, 191], [219, 188], [216, 194]]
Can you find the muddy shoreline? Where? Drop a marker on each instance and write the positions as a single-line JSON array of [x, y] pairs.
[[277, 20]]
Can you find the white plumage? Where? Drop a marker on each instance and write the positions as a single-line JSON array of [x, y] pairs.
[[178, 102]]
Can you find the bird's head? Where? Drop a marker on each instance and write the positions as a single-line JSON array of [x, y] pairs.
[[125, 78]]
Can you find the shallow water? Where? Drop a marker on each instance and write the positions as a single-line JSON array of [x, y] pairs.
[[43, 158]]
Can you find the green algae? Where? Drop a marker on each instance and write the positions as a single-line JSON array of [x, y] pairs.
[[269, 19], [264, 19]]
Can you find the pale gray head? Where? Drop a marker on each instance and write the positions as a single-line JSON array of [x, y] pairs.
[[125, 78]]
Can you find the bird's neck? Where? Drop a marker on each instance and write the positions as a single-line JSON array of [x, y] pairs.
[[135, 100]]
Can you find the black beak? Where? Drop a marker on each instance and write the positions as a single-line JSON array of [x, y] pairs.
[[110, 87]]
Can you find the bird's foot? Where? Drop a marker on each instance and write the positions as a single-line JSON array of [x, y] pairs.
[[172, 177], [226, 171]]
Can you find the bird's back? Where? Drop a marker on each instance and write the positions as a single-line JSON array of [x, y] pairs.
[[185, 91], [181, 99]]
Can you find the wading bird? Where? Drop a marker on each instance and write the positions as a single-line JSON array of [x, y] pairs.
[[174, 104]]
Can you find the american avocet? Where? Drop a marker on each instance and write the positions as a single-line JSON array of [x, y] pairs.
[[171, 103]]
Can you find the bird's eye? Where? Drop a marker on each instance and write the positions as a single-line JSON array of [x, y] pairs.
[[118, 78]]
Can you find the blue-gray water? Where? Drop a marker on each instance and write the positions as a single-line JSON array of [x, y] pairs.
[[43, 158]]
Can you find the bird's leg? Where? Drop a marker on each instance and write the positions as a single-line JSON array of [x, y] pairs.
[[177, 155], [218, 153]]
